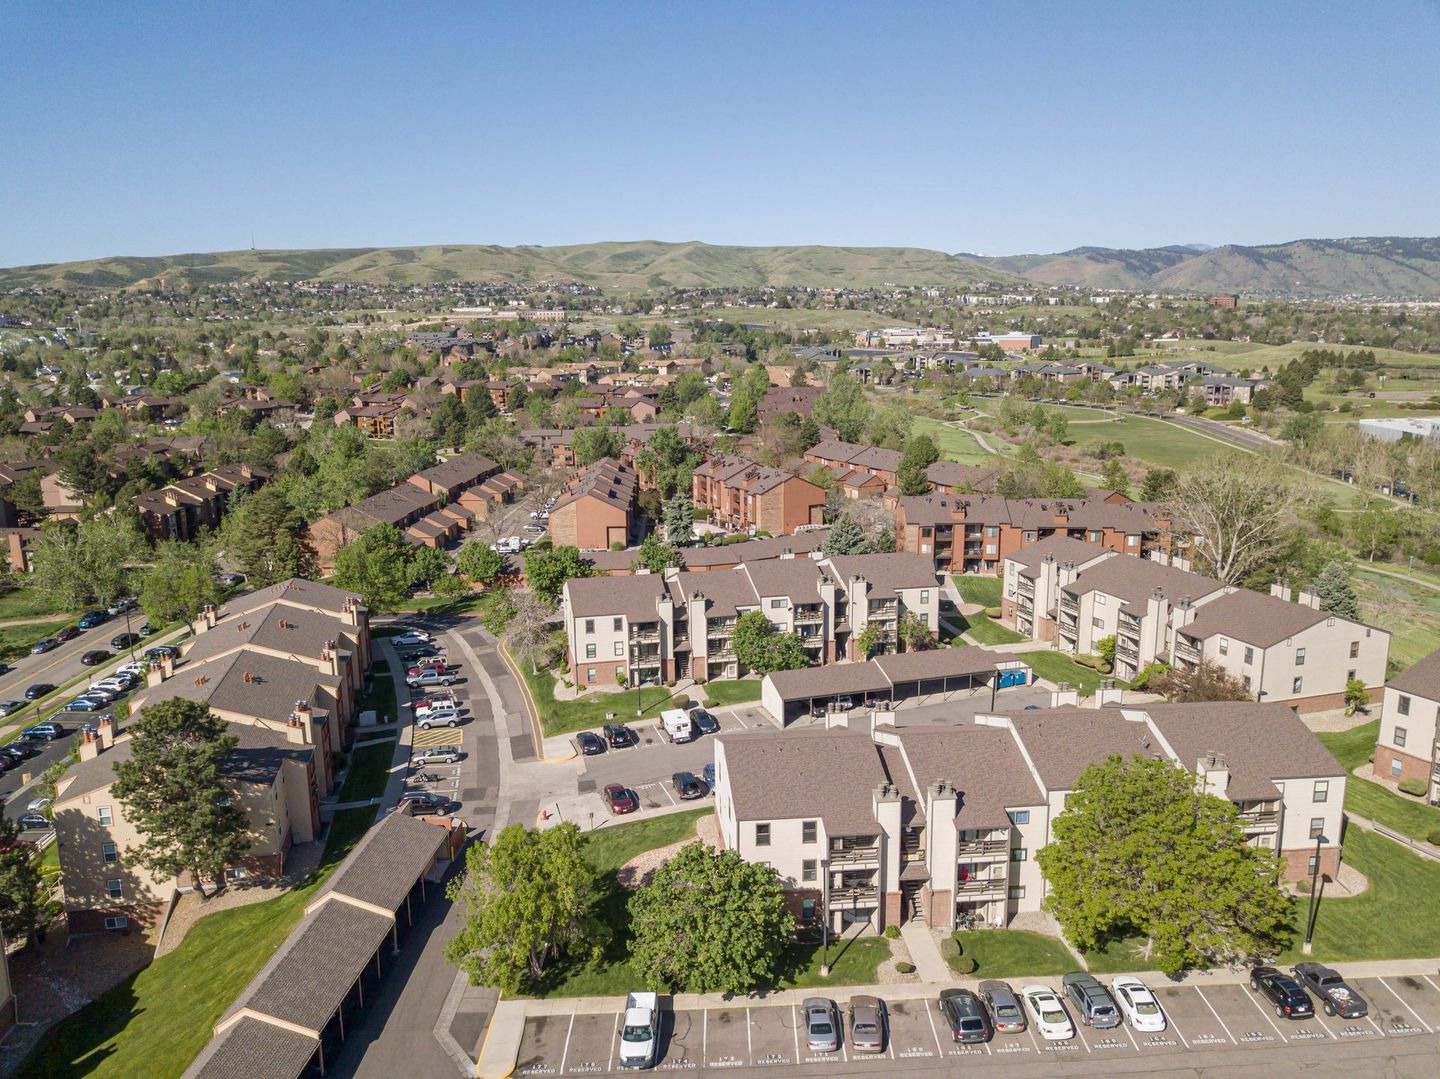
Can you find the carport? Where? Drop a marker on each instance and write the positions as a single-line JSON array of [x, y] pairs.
[[296, 1007], [788, 695]]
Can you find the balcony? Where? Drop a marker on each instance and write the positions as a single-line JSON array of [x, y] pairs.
[[807, 616], [884, 611], [1260, 818], [1185, 650], [984, 848], [981, 886], [1026, 587], [853, 898], [647, 636], [1069, 603], [1125, 650], [854, 855]]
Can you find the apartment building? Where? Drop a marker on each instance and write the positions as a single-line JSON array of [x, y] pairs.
[[806, 544], [1033, 577], [1284, 651], [655, 628], [934, 823], [598, 508], [1408, 746], [974, 533], [743, 495], [179, 510], [787, 401], [271, 779], [375, 419], [1221, 390], [844, 458]]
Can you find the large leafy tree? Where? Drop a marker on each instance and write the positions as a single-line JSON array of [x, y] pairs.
[[843, 406], [376, 566], [1233, 512], [1140, 849], [1206, 681], [594, 443], [709, 922], [547, 569], [528, 898], [180, 583], [761, 649], [528, 632], [173, 790], [479, 562], [24, 906], [920, 453], [88, 563], [656, 555]]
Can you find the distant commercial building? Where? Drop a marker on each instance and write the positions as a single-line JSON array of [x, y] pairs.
[[1420, 428]]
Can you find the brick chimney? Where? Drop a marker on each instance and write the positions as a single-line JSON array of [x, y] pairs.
[[90, 746], [156, 674], [330, 654], [208, 613], [105, 731]]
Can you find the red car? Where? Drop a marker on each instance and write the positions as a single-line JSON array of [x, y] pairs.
[[621, 799], [69, 633], [429, 665]]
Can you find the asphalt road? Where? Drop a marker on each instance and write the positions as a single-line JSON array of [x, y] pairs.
[[61, 665]]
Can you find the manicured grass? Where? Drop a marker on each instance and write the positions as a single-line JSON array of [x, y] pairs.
[[369, 769], [610, 847], [1152, 441], [25, 603], [985, 591], [15, 641], [1058, 667], [982, 630], [1400, 812], [955, 443], [1352, 748], [1392, 919], [153, 1024], [380, 696], [1014, 953], [435, 605], [1119, 957], [561, 717], [731, 692], [852, 962]]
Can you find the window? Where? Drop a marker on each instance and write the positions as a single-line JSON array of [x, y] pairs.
[[989, 548], [619, 648], [589, 625], [1354, 649], [1394, 769], [620, 673], [1310, 865], [1317, 827], [1100, 599], [1402, 705], [1322, 791], [109, 852], [762, 835], [1297, 685], [1249, 654], [236, 872], [1133, 541], [807, 910], [807, 869], [1399, 737], [1020, 816], [777, 604], [991, 531], [1224, 646], [117, 922], [1019, 854], [808, 831], [924, 596], [1350, 676], [1017, 891], [106, 817], [589, 673], [1094, 536], [589, 651], [1030, 537], [113, 889], [1299, 657], [1245, 681], [619, 624]]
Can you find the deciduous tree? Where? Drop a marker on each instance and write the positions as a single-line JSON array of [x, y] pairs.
[[1140, 849], [709, 922], [546, 571], [656, 555], [527, 633], [180, 583], [479, 562], [761, 649], [920, 453], [1233, 511], [375, 565], [25, 907], [89, 563]]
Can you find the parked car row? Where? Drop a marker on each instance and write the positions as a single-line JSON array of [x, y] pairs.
[[675, 726]]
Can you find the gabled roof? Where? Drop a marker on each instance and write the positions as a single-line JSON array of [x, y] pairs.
[[1134, 580], [1422, 679], [1252, 617], [830, 775], [1060, 548], [885, 572]]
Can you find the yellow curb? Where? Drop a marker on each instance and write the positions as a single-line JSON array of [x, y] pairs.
[[536, 733]]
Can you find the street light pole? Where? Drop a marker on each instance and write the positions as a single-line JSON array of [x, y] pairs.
[[1314, 880], [825, 918]]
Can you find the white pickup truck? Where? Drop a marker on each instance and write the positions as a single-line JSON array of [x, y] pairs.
[[639, 1037], [675, 726]]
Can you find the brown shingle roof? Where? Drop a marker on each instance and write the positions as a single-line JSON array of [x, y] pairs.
[[387, 861], [885, 572], [983, 764], [1422, 679], [256, 1050], [1063, 742], [805, 774], [1134, 580], [1251, 617], [604, 597]]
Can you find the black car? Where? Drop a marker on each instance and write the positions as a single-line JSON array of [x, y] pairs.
[[1289, 996], [590, 744], [124, 640], [687, 786], [423, 804], [160, 651], [704, 722], [966, 1016], [44, 644], [620, 736], [38, 690], [21, 751], [94, 657]]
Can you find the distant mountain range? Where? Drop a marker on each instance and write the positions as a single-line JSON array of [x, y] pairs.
[[1370, 266]]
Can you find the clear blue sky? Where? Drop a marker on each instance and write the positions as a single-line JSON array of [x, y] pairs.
[[996, 127]]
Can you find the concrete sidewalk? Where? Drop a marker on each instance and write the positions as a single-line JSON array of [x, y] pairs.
[[930, 966]]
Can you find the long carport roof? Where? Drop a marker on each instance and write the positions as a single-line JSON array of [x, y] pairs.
[[884, 674]]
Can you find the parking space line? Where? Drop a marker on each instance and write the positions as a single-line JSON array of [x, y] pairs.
[[1170, 1022], [1077, 1027], [1250, 996], [1217, 1017], [566, 1051], [1431, 984], [936, 1033], [1126, 1028], [1409, 1009], [795, 1022], [749, 1040], [619, 1022]]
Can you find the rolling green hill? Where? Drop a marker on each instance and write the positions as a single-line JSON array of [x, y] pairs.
[[613, 266]]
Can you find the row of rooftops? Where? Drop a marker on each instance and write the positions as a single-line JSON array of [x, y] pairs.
[[747, 585], [606, 479], [743, 474], [196, 490], [1012, 760], [1112, 511]]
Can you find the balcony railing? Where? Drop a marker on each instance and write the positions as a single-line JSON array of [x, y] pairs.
[[850, 898], [1263, 818], [980, 885], [651, 636], [1186, 650], [1067, 603], [854, 855], [984, 848], [804, 617]]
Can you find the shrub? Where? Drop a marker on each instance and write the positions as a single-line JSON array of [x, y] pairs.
[[1414, 787], [1433, 837], [904, 968], [1303, 886], [992, 612], [892, 932], [964, 965]]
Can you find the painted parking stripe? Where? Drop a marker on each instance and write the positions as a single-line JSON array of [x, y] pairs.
[[1172, 1025], [1077, 1028], [619, 1023], [1253, 999], [795, 1023], [438, 736], [938, 1047], [1409, 1009], [566, 1051], [1431, 984], [1126, 1028], [749, 1040], [1217, 1017]]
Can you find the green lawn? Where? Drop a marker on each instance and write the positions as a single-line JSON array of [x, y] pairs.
[[1352, 748], [1149, 440], [731, 692], [1406, 815], [369, 769], [984, 630], [436, 605], [852, 962], [1014, 953], [985, 591], [15, 641], [153, 1024], [1058, 667], [25, 603], [1410, 612], [561, 717], [955, 443], [610, 847], [380, 697]]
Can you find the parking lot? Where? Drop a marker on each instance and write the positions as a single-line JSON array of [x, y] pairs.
[[1203, 1019]]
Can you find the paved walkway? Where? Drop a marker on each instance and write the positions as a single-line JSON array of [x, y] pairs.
[[930, 965]]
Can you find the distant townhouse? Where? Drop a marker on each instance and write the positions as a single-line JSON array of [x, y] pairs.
[[654, 627], [179, 510], [375, 414], [787, 401], [554, 446], [933, 824], [882, 464], [951, 477], [743, 495], [805, 544], [1408, 745], [598, 508], [1221, 390], [976, 533]]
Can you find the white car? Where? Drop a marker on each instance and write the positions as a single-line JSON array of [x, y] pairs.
[[438, 717], [1141, 1009], [434, 701], [1048, 1013], [410, 637], [134, 668]]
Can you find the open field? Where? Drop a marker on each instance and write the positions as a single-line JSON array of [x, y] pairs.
[[1241, 354], [1152, 441], [955, 443], [1410, 612]]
